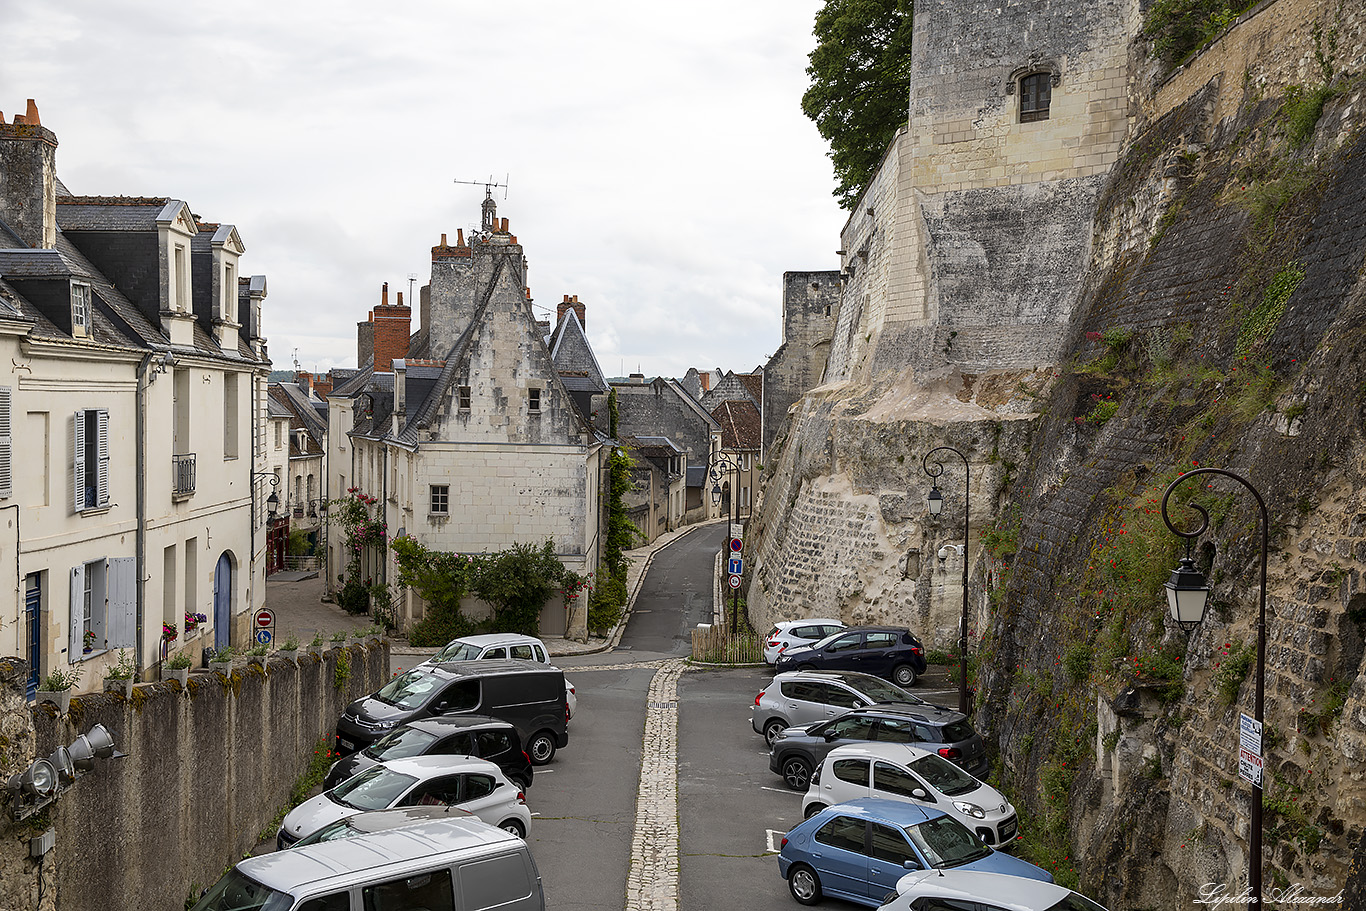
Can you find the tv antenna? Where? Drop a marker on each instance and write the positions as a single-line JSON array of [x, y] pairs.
[[488, 185], [412, 277]]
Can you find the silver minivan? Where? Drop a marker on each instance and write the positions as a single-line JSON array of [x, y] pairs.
[[804, 697], [442, 865]]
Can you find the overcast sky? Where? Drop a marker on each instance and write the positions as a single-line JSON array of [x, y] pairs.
[[658, 162]]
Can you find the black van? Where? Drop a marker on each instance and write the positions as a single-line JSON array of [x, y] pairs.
[[528, 695]]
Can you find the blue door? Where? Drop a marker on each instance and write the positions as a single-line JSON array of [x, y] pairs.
[[33, 599], [222, 601]]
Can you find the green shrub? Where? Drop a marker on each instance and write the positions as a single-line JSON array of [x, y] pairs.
[[1301, 111], [606, 604], [1262, 320], [1076, 662], [1231, 669], [1179, 28]]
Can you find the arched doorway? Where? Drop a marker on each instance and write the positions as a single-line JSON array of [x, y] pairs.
[[222, 601]]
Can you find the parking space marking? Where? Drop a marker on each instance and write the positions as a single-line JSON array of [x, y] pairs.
[[764, 787], [774, 843]]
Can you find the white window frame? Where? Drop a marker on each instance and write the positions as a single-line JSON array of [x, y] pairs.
[[533, 400], [464, 397], [81, 498], [444, 495], [103, 597], [80, 309]]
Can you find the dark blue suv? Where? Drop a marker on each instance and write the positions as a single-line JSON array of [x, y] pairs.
[[883, 651]]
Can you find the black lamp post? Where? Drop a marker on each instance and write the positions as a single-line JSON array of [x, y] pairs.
[[1187, 597], [718, 466], [936, 504]]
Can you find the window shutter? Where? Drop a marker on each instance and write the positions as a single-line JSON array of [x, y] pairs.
[[6, 443], [76, 624], [120, 621], [103, 477], [79, 473]]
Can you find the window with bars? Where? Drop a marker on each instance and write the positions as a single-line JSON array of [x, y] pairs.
[[1036, 92], [440, 500]]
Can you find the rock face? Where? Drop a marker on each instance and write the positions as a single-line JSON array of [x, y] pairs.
[[1196, 299]]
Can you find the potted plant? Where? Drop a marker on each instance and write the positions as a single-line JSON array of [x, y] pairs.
[[120, 676], [88, 641], [290, 647], [177, 667], [56, 688], [257, 654], [316, 646], [222, 661], [192, 621]]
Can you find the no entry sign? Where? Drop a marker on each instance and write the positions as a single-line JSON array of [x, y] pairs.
[[265, 618]]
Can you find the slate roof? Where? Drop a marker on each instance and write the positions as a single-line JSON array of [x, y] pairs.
[[110, 213], [741, 425], [696, 476], [301, 407]]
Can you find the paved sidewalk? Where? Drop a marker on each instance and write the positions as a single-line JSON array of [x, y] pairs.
[[296, 599]]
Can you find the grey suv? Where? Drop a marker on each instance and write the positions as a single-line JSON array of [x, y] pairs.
[[805, 697], [795, 752]]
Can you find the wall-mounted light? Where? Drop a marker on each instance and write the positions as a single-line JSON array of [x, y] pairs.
[[45, 779]]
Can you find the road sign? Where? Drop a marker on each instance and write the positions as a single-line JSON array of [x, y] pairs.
[[736, 566], [734, 581], [736, 545], [1250, 749], [264, 617], [263, 637]]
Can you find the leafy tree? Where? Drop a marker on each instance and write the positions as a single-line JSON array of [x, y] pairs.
[[517, 582], [860, 85]]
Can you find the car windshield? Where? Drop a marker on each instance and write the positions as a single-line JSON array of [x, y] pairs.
[[944, 776], [332, 832], [880, 690], [820, 643], [410, 690], [400, 744], [236, 892], [957, 731], [946, 842], [457, 651], [373, 789], [1075, 902]]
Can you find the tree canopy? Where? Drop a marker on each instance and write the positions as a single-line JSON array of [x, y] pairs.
[[860, 85]]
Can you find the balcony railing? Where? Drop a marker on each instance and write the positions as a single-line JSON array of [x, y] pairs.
[[182, 474]]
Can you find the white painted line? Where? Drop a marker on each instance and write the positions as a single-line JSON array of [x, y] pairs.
[[764, 787], [773, 843]]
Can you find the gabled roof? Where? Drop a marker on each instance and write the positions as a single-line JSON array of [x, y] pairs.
[[754, 382], [741, 425], [299, 405], [571, 354]]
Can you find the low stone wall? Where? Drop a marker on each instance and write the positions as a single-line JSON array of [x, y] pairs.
[[207, 769]]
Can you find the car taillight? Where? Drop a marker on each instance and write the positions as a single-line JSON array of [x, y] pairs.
[[760, 696], [950, 752], [784, 844], [526, 757], [521, 796], [772, 643], [917, 649], [566, 711]]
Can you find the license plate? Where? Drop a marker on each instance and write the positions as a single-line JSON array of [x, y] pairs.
[[346, 744], [1008, 830]]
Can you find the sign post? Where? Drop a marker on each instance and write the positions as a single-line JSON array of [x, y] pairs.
[[265, 626]]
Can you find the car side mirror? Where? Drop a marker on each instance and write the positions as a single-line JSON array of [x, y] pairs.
[[439, 708], [910, 864], [860, 704], [830, 735], [919, 794]]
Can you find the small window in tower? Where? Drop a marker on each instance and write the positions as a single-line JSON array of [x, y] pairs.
[[464, 395], [1036, 92], [534, 400]]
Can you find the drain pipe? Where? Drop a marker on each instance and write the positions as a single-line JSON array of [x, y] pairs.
[[140, 447]]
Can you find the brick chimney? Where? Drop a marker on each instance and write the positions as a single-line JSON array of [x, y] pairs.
[[305, 380], [322, 386], [393, 326], [28, 192], [571, 303]]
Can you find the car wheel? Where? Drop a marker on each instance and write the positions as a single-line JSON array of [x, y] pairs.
[[797, 772], [541, 748], [813, 810], [804, 883], [514, 826], [903, 675], [773, 729]]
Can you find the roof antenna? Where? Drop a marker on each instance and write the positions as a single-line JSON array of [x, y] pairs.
[[490, 209], [296, 362]]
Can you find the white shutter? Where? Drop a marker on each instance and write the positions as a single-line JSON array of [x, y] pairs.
[[77, 625], [120, 622], [6, 443], [79, 473], [103, 478]]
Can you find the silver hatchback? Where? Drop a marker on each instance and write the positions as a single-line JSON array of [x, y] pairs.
[[804, 697]]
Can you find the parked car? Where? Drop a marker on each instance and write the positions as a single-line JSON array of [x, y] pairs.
[[883, 651], [796, 751], [983, 892], [859, 850], [490, 646], [476, 785], [456, 735], [530, 696], [419, 866], [804, 697], [787, 633], [899, 771], [372, 821]]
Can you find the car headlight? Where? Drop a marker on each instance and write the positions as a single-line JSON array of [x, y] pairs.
[[970, 809], [384, 724]]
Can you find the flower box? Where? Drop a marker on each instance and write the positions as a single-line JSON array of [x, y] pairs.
[[123, 686], [181, 674], [59, 698]]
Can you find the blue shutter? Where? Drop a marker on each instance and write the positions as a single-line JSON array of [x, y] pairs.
[[120, 624]]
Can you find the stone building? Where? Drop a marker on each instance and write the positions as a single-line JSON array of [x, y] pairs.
[[465, 431], [656, 499], [303, 492], [810, 300], [135, 378], [663, 408]]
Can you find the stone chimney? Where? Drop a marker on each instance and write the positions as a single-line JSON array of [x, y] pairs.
[[305, 380], [365, 339], [571, 303], [28, 190], [393, 326]]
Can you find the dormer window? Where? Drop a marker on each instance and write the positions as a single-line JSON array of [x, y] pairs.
[[1036, 92], [534, 400], [182, 281], [80, 310]]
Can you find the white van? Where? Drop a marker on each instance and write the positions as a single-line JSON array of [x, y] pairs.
[[441, 865]]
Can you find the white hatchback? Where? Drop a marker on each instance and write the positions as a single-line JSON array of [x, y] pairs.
[[902, 772], [476, 785], [787, 633], [500, 645], [984, 891]]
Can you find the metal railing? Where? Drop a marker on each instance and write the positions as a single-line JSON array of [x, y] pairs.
[[182, 474]]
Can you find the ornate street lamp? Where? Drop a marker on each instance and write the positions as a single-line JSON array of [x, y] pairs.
[[1187, 598], [936, 505]]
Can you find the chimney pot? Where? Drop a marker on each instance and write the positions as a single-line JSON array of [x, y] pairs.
[[31, 115], [503, 226], [400, 299], [443, 240], [384, 295], [459, 237]]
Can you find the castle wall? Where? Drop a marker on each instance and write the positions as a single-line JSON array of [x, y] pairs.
[[810, 300]]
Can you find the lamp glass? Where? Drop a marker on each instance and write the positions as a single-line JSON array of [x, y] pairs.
[[62, 762], [716, 495], [936, 501], [40, 778], [273, 503], [1187, 593]]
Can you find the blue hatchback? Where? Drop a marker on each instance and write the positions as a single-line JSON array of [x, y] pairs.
[[858, 850]]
